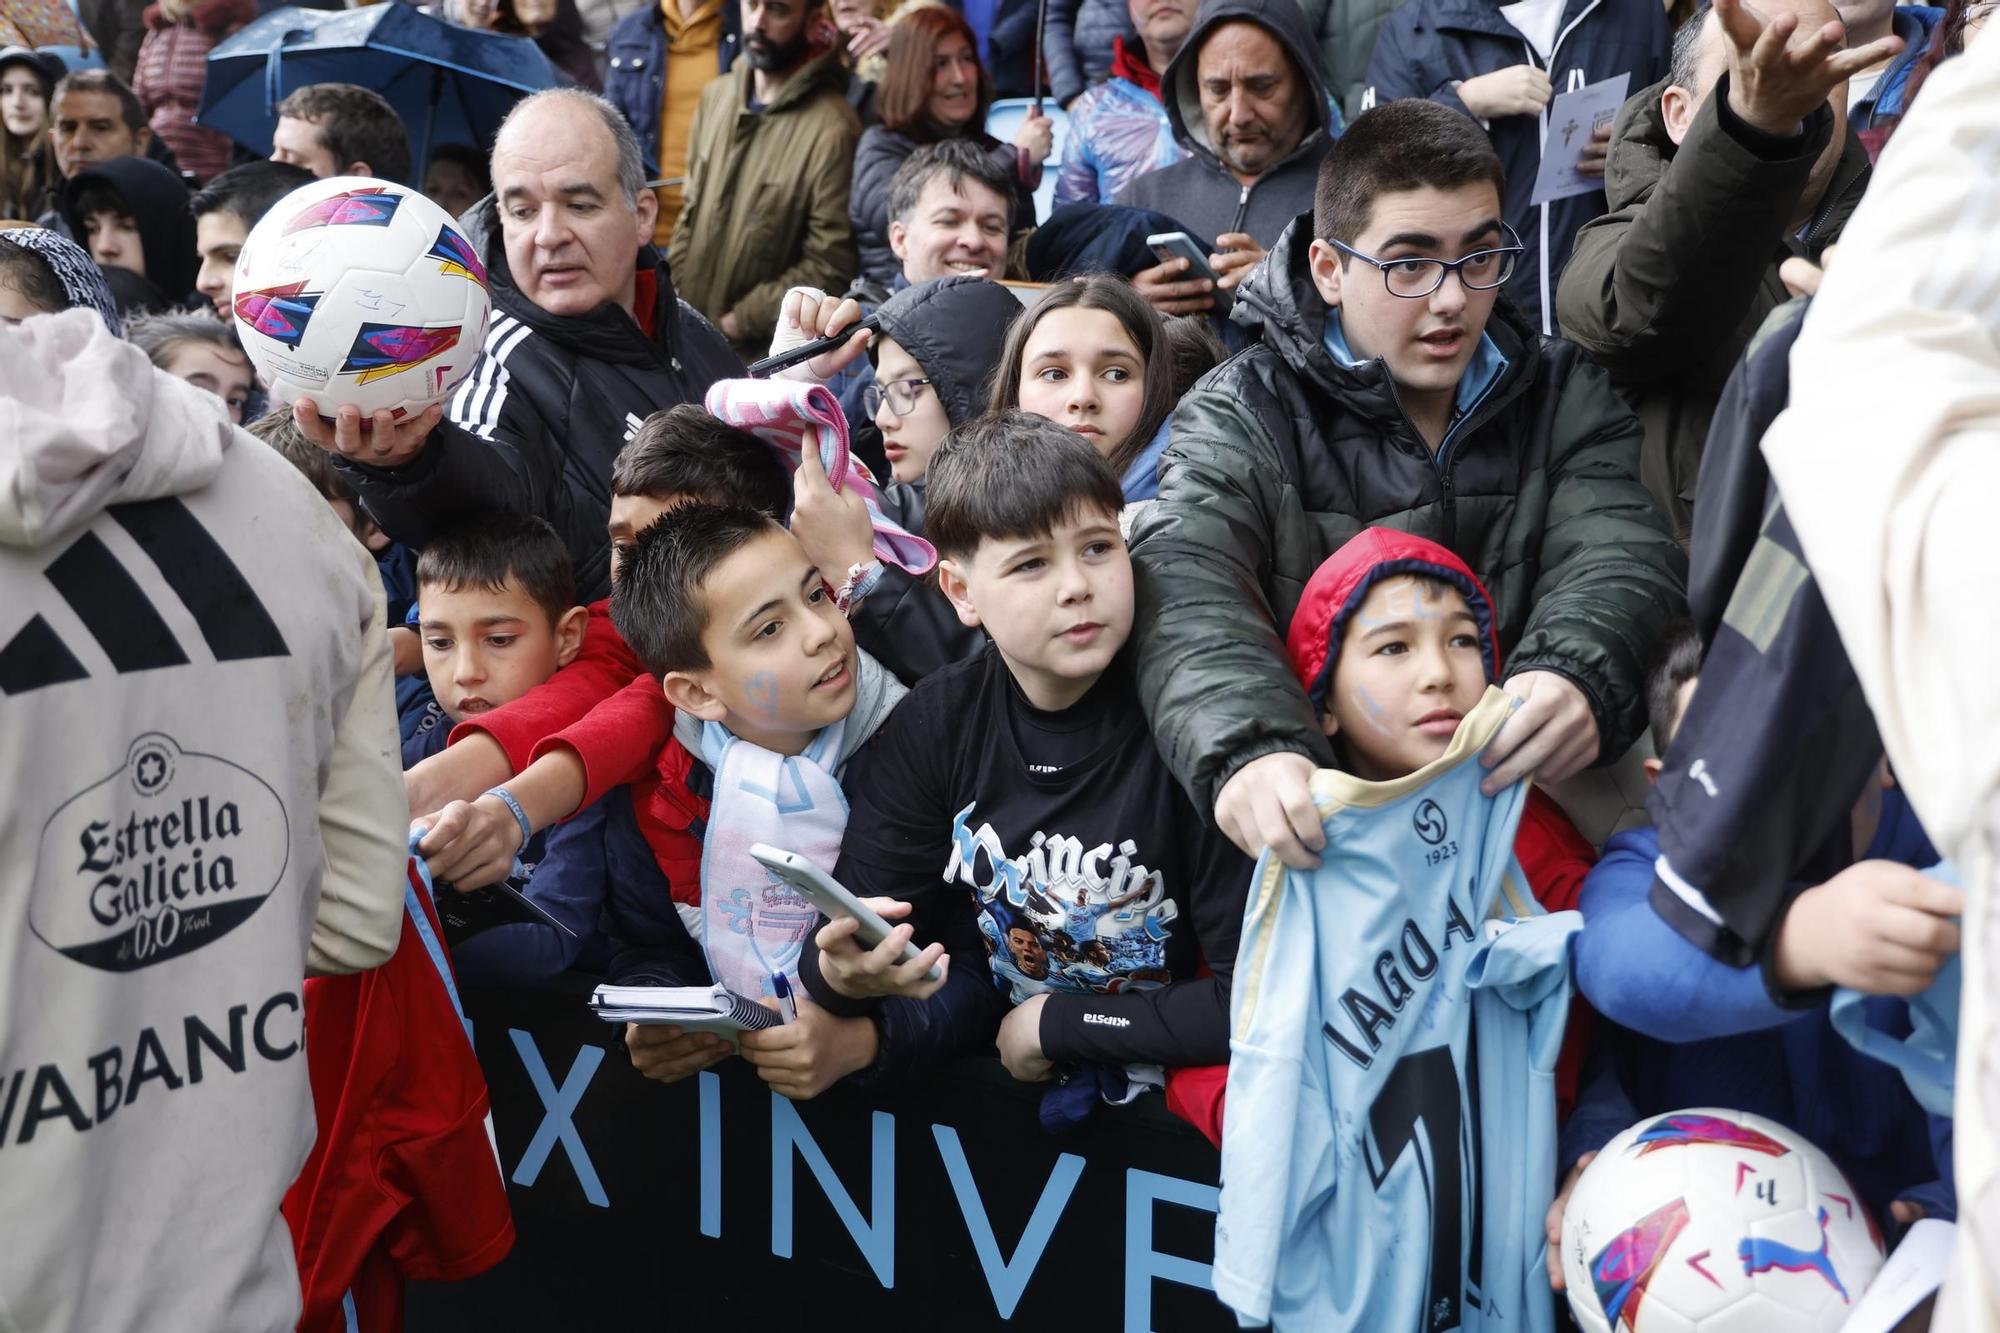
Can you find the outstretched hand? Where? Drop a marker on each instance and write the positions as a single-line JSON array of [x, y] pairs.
[[380, 442], [1776, 81]]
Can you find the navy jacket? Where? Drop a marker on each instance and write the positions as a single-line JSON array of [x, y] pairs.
[[1428, 45], [1700, 1033], [636, 81]]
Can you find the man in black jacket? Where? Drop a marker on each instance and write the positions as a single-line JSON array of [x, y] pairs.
[[585, 344]]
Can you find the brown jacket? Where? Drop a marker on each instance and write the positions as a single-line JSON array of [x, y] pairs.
[[766, 200], [1666, 290]]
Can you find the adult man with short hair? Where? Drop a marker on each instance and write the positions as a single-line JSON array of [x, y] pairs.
[[93, 118], [224, 212], [1742, 159], [585, 344], [1118, 129], [1392, 387], [949, 209], [770, 162], [341, 129], [1246, 101]]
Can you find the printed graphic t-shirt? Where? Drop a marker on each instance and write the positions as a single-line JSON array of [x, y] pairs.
[[1058, 841]]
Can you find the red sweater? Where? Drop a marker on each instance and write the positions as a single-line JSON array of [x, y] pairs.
[[612, 715], [403, 1182]]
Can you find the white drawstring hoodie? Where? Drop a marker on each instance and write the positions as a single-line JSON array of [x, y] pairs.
[[199, 798]]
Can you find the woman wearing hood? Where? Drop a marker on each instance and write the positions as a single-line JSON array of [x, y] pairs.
[[934, 350], [132, 214]]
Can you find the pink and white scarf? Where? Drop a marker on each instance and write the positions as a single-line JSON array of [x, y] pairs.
[[785, 414]]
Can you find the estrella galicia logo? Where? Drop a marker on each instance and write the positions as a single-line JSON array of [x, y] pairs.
[[1429, 822], [172, 851]]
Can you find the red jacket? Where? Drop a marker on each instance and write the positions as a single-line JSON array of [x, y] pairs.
[[1553, 855], [613, 716], [168, 76], [403, 1181]]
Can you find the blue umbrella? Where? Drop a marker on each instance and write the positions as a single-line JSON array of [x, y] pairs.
[[448, 84]]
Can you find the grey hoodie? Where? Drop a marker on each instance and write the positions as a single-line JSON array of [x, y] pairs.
[[199, 800], [1198, 190]]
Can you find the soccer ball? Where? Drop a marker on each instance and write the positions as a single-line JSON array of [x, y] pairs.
[[1708, 1221], [362, 291]]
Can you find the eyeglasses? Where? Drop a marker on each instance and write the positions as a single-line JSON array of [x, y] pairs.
[[1414, 279], [902, 396]]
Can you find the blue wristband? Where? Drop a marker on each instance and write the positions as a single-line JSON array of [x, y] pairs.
[[520, 815]]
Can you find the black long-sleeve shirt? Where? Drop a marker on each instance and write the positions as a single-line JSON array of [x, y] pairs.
[[1051, 852]]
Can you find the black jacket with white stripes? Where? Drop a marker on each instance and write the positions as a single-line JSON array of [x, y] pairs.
[[548, 405]]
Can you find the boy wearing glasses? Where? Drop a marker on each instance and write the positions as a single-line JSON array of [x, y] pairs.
[[1392, 387]]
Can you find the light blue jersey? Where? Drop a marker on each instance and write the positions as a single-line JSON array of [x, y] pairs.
[[1388, 1152]]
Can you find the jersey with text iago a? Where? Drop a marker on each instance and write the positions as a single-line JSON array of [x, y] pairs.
[[1387, 1159]]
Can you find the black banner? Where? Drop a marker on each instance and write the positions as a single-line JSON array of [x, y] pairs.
[[712, 1203]]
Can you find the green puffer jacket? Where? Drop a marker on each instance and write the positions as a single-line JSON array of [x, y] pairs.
[[1281, 454], [765, 208]]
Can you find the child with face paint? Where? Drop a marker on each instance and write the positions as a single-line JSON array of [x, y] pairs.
[[1394, 644]]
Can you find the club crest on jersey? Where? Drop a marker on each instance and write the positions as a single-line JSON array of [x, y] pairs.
[[170, 852], [1675, 1130], [1621, 1271]]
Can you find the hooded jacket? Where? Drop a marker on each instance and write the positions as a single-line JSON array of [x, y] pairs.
[[953, 328], [1199, 190], [1342, 583], [1428, 47], [1281, 454], [82, 280], [1553, 855], [158, 202], [765, 207], [549, 404], [1721, 206], [202, 804]]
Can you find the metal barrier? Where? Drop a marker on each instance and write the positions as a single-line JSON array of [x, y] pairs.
[[713, 1204]]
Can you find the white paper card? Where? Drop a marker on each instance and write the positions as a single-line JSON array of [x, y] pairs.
[[1573, 118], [1914, 1271]]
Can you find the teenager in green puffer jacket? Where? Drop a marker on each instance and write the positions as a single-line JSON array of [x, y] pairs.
[[1464, 427]]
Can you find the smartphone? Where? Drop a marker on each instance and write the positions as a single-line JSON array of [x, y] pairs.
[[831, 898], [1179, 245]]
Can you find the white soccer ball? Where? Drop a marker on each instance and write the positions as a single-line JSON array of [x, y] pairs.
[[362, 291], [1709, 1221]]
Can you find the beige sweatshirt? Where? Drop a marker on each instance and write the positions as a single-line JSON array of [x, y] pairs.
[[1889, 463], [199, 792]]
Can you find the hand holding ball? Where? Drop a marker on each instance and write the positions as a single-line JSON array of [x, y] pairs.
[[361, 294]]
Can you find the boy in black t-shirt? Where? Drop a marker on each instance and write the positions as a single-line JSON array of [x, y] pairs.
[[1016, 802]]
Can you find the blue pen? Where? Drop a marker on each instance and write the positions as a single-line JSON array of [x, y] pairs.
[[782, 988]]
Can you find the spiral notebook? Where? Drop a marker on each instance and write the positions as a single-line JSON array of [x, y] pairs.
[[697, 1008]]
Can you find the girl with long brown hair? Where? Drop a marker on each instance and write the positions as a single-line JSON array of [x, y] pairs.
[[27, 162]]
